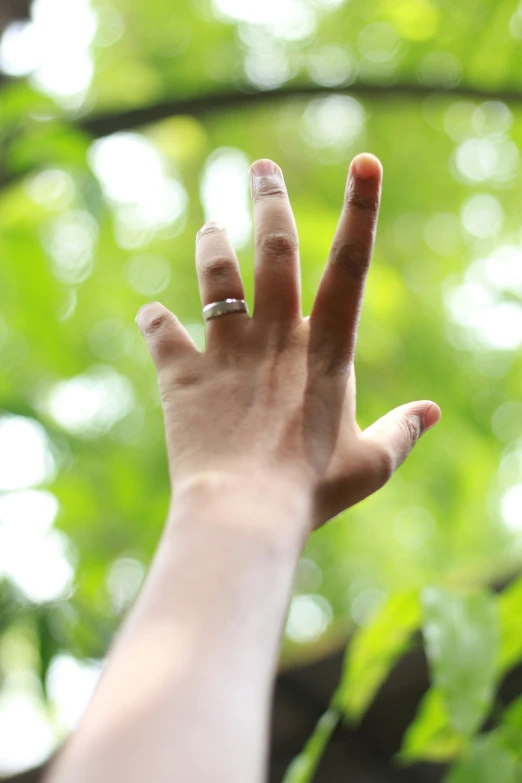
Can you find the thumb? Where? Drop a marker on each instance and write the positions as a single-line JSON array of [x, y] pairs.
[[166, 338], [393, 436]]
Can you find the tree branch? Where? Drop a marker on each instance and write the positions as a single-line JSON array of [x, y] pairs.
[[105, 124], [98, 125], [12, 10]]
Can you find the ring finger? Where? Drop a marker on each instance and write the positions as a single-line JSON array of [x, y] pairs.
[[219, 277]]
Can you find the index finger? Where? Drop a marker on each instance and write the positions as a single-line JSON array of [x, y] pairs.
[[337, 305]]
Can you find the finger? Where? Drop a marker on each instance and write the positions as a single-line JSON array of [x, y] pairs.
[[276, 271], [166, 338], [391, 438], [335, 313], [219, 277]]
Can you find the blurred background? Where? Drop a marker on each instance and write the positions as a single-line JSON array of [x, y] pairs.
[[124, 125]]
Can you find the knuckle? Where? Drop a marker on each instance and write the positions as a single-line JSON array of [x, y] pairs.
[[384, 465], [158, 324], [413, 429], [278, 243], [329, 360], [366, 205], [176, 377], [216, 268], [352, 258], [333, 363], [269, 186]]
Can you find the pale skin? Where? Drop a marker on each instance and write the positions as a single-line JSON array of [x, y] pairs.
[[263, 448]]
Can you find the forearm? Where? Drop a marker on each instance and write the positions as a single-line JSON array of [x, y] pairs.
[[186, 693]]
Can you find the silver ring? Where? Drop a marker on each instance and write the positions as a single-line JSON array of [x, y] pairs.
[[224, 307]]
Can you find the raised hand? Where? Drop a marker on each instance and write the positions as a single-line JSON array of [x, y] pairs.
[[271, 400]]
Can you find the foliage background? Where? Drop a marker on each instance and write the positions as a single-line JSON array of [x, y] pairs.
[[124, 124]]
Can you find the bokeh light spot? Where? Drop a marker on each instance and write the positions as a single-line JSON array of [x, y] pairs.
[[439, 69], [135, 179], [488, 301], [336, 122], [458, 120], [492, 118], [366, 604], [331, 66], [308, 618], [54, 47], [70, 241], [25, 455], [379, 42], [515, 24], [148, 274], [38, 565], [476, 159], [109, 340], [111, 26], [265, 12], [225, 193], [501, 326], [68, 305], [511, 508], [482, 216], [308, 577], [27, 735], [124, 581], [91, 403], [70, 686], [53, 189], [328, 5], [507, 422], [267, 67], [28, 512], [480, 159], [442, 234]]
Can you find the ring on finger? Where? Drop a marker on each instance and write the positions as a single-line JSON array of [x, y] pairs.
[[224, 307]]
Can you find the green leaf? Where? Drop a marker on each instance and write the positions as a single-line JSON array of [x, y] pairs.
[[512, 715], [509, 603], [430, 736], [485, 760], [511, 727], [304, 766], [462, 639], [374, 650]]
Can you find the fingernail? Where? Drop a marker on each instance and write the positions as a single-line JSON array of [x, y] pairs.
[[366, 166], [142, 318], [266, 179], [431, 416], [263, 168], [139, 314], [210, 227]]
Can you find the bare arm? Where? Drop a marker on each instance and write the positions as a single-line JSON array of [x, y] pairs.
[[263, 447], [186, 693]]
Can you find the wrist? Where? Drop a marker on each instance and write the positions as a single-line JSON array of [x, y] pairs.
[[274, 509]]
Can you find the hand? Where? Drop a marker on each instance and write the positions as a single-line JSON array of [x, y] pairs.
[[272, 397]]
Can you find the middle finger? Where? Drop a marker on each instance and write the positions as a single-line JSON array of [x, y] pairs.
[[277, 295]]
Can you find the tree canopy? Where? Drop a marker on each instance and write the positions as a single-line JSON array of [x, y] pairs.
[[124, 124]]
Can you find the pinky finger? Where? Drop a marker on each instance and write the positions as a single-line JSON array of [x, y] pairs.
[[166, 338]]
